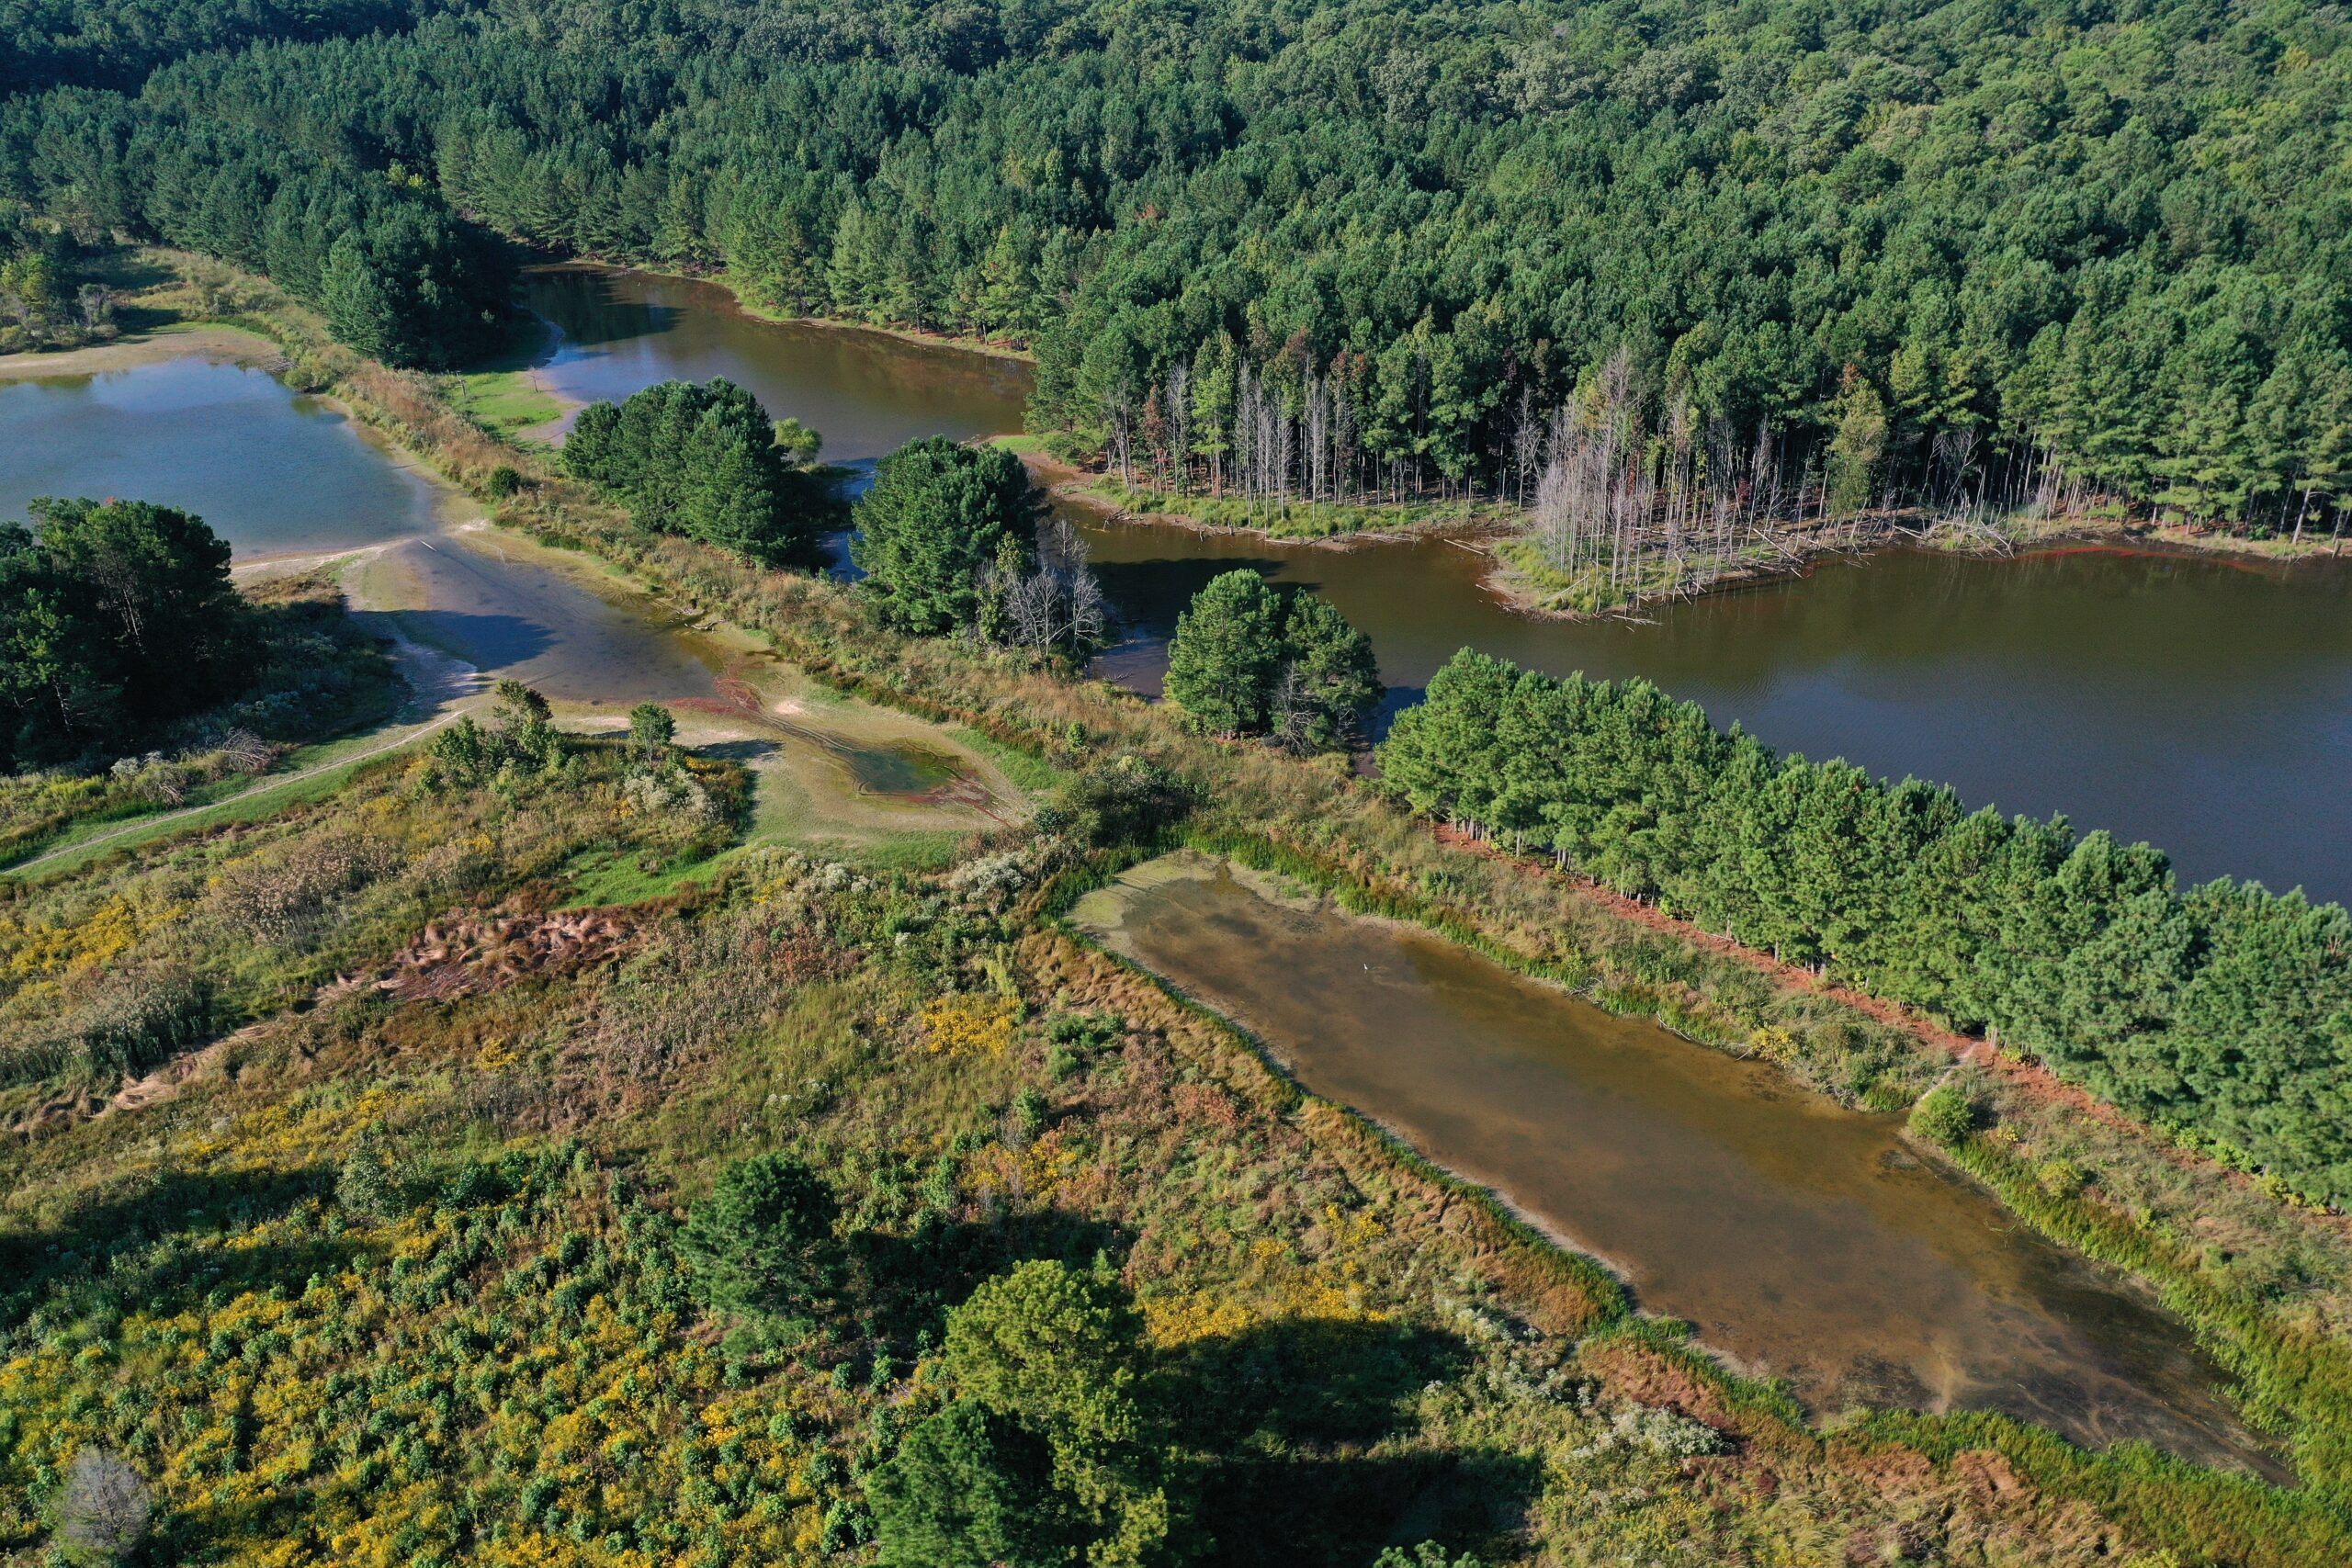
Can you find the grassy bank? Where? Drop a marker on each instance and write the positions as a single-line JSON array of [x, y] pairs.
[[1346, 838]]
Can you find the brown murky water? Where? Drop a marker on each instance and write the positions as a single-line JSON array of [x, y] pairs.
[[2201, 705], [865, 392], [1804, 1240]]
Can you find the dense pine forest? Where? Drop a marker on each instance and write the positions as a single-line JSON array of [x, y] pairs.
[[2223, 1010], [1832, 254]]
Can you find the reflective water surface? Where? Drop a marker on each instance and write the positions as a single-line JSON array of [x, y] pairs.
[[277, 474], [865, 392], [272, 472], [2202, 705], [1803, 1240]]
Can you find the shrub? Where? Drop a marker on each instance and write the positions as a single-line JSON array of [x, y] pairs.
[[1126, 800], [1944, 1116], [763, 1240]]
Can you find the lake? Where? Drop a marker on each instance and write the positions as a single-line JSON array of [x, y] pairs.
[[2200, 704]]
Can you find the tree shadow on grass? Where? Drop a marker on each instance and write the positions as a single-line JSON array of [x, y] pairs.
[[1285, 1415], [1341, 1510], [75, 1263], [905, 1284]]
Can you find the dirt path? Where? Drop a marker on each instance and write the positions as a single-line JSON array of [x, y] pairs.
[[286, 781], [445, 688]]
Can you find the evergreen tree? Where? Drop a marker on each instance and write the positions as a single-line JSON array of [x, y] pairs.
[[930, 525], [762, 1241], [1046, 1455], [1224, 656], [1327, 675], [116, 619], [703, 461]]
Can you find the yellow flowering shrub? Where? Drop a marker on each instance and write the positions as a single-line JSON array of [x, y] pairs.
[[969, 1025]]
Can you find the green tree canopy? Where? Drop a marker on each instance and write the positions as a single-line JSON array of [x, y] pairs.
[[1223, 658], [1250, 659], [116, 619], [762, 1241], [930, 525], [702, 459], [1045, 1456], [1329, 676], [2225, 1010]]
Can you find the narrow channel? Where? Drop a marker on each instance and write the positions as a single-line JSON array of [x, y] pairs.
[[1803, 1240], [281, 476]]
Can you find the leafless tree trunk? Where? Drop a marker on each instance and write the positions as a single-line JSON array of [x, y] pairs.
[[1290, 711], [103, 1509], [1179, 417], [1526, 444], [1058, 603]]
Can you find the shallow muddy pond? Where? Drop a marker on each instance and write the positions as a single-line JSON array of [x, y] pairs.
[[903, 769], [1804, 1240], [272, 472], [511, 608]]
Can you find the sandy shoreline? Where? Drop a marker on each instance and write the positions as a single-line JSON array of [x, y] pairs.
[[222, 343]]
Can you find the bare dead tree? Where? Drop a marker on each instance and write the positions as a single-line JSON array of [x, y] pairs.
[[1527, 442], [1292, 711], [1283, 440], [104, 1510], [1178, 420], [1057, 603], [1315, 435], [1119, 422]]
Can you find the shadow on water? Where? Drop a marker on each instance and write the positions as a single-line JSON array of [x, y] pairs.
[[1147, 597], [1803, 1239], [594, 318], [509, 608], [489, 642]]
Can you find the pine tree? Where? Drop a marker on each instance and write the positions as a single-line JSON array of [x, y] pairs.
[[929, 528], [1226, 651]]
